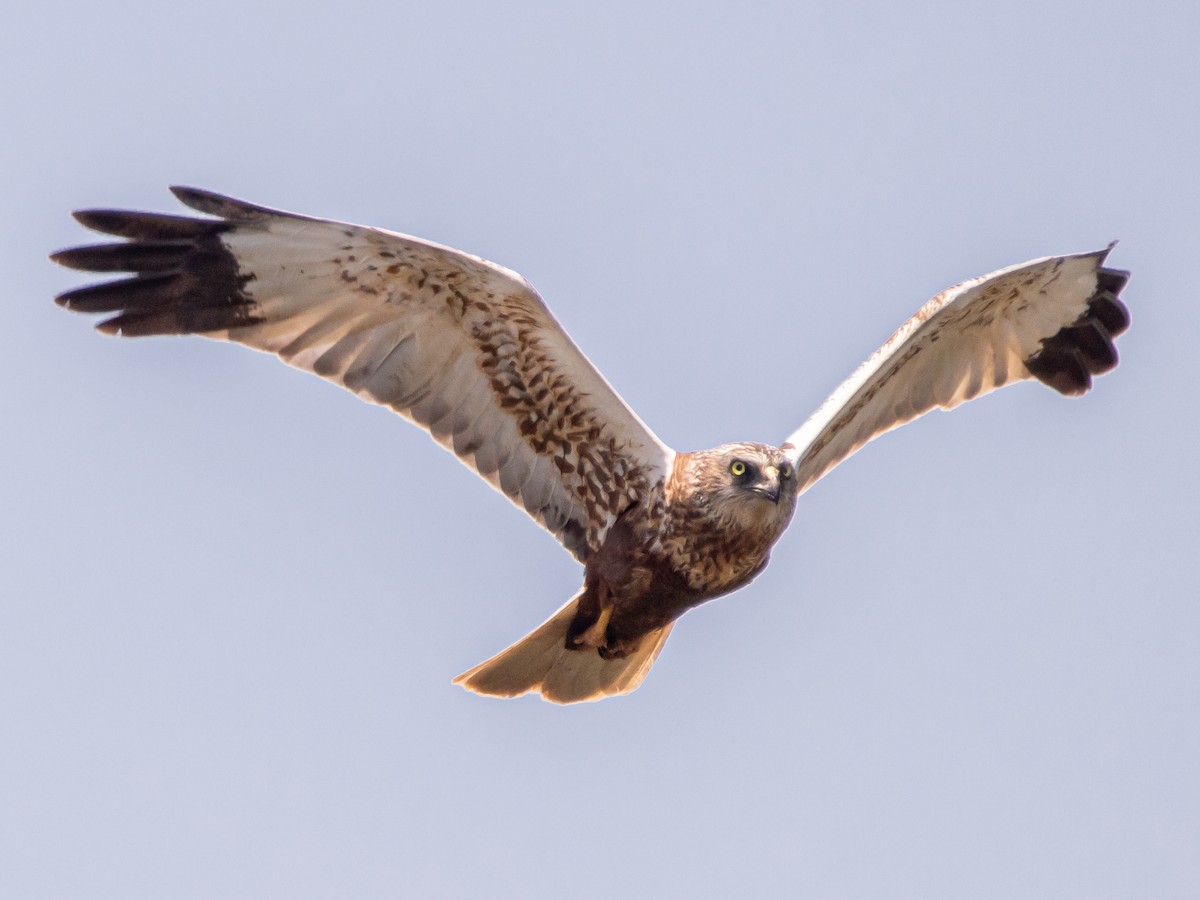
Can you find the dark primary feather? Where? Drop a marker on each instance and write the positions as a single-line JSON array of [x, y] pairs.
[[226, 207], [143, 256], [185, 280], [1068, 359], [143, 225]]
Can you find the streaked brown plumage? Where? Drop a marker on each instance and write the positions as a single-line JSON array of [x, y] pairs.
[[467, 350]]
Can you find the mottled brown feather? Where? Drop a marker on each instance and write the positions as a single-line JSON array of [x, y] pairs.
[[458, 345]]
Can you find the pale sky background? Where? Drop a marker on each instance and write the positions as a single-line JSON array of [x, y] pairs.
[[234, 597]]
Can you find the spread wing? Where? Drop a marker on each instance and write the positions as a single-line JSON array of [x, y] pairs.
[[458, 345], [1053, 319]]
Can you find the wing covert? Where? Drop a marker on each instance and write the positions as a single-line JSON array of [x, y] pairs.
[[458, 345]]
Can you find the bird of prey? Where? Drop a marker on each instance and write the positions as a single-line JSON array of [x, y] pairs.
[[466, 349]]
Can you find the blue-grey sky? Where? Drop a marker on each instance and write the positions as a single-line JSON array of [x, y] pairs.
[[234, 596]]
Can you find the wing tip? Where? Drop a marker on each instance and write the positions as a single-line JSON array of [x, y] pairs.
[[184, 279], [220, 205], [1067, 360]]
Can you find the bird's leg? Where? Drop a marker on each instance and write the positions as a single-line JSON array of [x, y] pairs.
[[592, 635], [622, 637], [591, 618]]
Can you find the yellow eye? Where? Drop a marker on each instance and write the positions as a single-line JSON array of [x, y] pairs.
[[738, 468], [785, 472]]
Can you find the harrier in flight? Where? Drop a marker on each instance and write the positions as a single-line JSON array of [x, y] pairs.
[[467, 350]]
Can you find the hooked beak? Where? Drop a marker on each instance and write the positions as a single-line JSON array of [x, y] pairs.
[[769, 485]]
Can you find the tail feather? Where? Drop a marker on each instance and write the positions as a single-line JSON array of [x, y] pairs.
[[541, 662]]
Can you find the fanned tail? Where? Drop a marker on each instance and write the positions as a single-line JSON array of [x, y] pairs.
[[541, 662]]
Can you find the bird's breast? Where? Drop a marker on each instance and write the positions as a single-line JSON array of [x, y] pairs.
[[715, 557]]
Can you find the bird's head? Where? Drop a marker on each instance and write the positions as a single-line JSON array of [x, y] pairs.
[[752, 485]]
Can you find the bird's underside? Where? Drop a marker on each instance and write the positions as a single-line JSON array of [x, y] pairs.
[[467, 350]]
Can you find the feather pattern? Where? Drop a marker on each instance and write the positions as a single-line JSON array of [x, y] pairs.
[[462, 347]]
